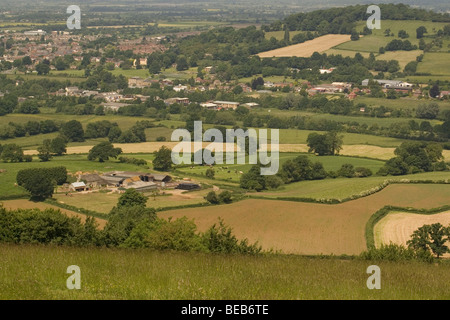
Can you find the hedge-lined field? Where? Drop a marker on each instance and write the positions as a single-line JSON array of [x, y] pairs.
[[313, 228]]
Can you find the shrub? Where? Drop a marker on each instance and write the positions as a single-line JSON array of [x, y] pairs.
[[394, 252], [219, 239], [211, 197], [361, 172], [225, 197], [347, 171], [135, 161]]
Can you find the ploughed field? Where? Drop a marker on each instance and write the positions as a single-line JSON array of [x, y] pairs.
[[312, 228]]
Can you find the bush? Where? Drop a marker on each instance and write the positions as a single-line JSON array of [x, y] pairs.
[[219, 239], [47, 227], [361, 172], [347, 171], [211, 197], [225, 197], [135, 161], [394, 252], [210, 173]]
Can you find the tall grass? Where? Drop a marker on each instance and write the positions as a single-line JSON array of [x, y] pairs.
[[38, 272]]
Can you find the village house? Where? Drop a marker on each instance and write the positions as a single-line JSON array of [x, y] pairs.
[[183, 101], [179, 88], [226, 104], [209, 105], [323, 71]]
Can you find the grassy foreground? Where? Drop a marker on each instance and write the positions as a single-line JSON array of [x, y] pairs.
[[37, 272]]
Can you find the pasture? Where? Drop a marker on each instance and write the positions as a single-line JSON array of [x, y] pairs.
[[372, 43], [403, 57], [312, 228], [342, 188], [307, 48], [436, 63], [144, 275], [231, 172]]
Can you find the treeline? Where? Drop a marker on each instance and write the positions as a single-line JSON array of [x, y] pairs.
[[298, 169], [30, 128], [130, 225]]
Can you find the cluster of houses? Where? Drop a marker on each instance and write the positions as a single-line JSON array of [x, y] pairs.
[[122, 180]]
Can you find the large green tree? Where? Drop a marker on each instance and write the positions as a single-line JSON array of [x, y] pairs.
[[431, 238], [163, 159], [103, 151], [39, 185], [73, 131], [132, 198]]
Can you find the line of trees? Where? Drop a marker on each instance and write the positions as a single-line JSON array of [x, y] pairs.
[[131, 225]]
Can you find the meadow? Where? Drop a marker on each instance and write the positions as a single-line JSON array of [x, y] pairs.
[[436, 63], [373, 42], [231, 172], [39, 272]]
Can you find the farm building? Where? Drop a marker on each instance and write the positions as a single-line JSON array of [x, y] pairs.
[[160, 178], [138, 180], [389, 83], [78, 186], [188, 186], [226, 104], [183, 101], [142, 186], [94, 180]]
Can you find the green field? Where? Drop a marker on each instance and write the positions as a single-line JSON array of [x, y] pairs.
[[386, 122], [346, 53], [377, 39], [300, 136], [148, 275], [230, 172], [279, 35], [436, 63], [342, 188], [403, 57], [402, 103]]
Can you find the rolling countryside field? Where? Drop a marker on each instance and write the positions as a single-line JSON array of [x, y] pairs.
[[360, 164], [310, 228]]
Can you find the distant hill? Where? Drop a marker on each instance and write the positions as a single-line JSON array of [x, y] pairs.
[[343, 20]]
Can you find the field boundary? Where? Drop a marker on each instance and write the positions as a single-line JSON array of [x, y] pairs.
[[354, 196], [383, 212], [84, 211]]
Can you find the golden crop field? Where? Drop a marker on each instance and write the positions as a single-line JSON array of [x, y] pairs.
[[311, 228], [397, 227], [306, 49]]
